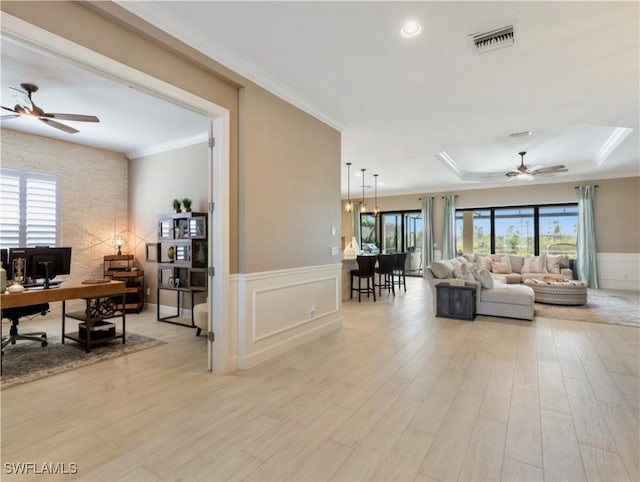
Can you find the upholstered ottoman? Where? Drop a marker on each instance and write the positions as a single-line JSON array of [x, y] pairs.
[[201, 317], [558, 291]]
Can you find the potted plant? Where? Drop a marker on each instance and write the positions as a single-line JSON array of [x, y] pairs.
[[176, 205], [186, 202]]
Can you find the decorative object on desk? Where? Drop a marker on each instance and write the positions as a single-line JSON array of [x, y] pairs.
[[186, 202], [176, 205], [15, 288], [28, 361], [352, 249], [18, 268], [348, 207], [118, 242], [363, 206]]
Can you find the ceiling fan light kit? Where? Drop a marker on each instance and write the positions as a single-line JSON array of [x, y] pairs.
[[527, 173], [25, 107]]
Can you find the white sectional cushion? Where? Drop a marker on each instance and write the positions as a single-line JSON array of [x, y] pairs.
[[508, 294]]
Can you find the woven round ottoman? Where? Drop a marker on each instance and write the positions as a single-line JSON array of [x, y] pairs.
[[558, 291]]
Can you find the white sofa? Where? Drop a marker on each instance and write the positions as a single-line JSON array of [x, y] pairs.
[[495, 298]]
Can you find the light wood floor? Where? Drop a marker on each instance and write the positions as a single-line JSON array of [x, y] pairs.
[[396, 395]]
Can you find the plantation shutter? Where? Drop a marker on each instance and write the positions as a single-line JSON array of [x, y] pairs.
[[9, 211], [29, 209]]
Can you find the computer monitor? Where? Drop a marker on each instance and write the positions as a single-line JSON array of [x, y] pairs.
[[42, 263]]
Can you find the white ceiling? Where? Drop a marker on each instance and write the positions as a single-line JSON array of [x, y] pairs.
[[572, 78], [131, 122]]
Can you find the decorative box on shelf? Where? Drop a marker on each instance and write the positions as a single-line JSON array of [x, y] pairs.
[[99, 330]]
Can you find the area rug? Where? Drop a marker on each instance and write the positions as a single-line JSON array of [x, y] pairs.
[[29, 361], [603, 306]]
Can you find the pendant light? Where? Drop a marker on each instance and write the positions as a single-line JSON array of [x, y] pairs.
[[363, 206], [376, 211], [348, 207]]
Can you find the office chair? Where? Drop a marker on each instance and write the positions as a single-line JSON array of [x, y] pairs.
[[14, 314]]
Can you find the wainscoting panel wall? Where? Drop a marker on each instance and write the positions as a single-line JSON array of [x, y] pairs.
[[619, 271], [279, 310]]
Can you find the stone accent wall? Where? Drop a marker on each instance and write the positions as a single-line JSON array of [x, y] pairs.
[[94, 194]]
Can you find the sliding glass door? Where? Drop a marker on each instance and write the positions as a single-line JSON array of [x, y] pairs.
[[395, 232]]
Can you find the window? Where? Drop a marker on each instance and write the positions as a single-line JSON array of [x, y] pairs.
[[558, 230], [473, 231], [514, 231], [518, 230], [29, 208]]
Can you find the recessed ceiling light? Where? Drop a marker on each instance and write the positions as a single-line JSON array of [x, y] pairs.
[[410, 29]]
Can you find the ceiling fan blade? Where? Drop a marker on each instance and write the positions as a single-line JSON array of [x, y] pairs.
[[22, 98], [547, 170], [9, 109], [73, 117], [9, 116], [57, 125]]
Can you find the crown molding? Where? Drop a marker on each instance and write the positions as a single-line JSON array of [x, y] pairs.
[[156, 14], [168, 146], [618, 135]]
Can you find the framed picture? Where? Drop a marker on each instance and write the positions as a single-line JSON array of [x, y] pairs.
[[151, 252]]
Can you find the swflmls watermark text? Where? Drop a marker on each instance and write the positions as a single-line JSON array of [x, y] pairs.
[[40, 468]]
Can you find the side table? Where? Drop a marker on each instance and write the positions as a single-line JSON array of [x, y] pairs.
[[456, 301]]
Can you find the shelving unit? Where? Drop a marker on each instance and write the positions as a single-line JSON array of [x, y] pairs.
[[182, 256], [94, 317], [121, 267]]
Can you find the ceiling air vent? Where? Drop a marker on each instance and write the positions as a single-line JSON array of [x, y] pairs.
[[493, 40]]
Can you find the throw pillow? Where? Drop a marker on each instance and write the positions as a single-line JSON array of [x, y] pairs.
[[441, 269], [534, 264], [485, 278], [464, 271], [501, 258], [484, 261], [501, 267], [553, 264]]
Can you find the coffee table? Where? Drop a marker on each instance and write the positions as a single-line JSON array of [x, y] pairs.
[[558, 291]]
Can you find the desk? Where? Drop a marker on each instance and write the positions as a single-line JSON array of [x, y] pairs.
[[68, 291]]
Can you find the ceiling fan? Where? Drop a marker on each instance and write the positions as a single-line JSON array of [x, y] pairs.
[[528, 173], [26, 107]]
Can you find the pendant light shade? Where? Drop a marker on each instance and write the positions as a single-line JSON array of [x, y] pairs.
[[363, 206], [376, 211], [348, 207]]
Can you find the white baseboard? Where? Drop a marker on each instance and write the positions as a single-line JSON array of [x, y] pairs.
[[280, 310], [619, 271]]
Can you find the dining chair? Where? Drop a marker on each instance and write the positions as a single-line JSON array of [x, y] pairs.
[[386, 265], [399, 270], [366, 270]]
